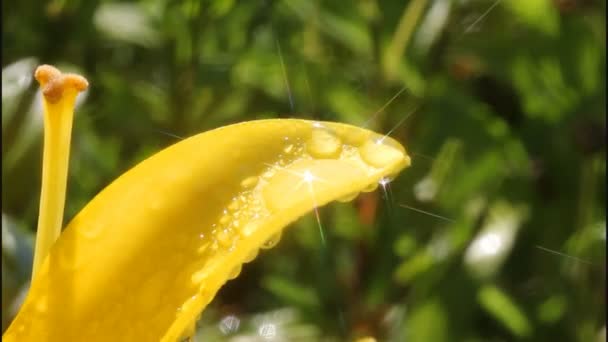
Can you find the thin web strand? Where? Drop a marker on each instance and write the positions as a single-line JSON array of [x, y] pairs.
[[563, 255], [285, 77], [426, 213], [373, 116], [482, 16], [399, 123]]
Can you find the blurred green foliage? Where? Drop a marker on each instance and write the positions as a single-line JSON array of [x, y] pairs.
[[503, 113]]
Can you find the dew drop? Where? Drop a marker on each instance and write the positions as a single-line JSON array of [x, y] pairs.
[[348, 197], [248, 229], [249, 182], [269, 173], [252, 255], [202, 249], [199, 276], [234, 206], [186, 308], [224, 237], [273, 241], [225, 220], [288, 149], [379, 153], [324, 144], [215, 245], [235, 272]]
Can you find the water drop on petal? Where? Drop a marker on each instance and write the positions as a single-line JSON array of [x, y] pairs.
[[324, 144], [249, 182], [252, 255], [272, 241], [235, 272], [380, 154], [288, 149]]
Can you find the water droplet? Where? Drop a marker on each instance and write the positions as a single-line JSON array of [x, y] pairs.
[[288, 149], [235, 272], [234, 206], [202, 249], [248, 229], [186, 307], [249, 182], [380, 153], [199, 276], [225, 220], [324, 144], [224, 237], [269, 173], [272, 241], [214, 246], [348, 197], [252, 255]]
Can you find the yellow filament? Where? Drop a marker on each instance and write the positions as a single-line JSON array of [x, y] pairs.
[[59, 96]]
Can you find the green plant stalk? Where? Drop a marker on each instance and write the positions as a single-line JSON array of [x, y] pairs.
[[402, 36]]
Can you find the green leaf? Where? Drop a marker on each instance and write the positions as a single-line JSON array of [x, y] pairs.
[[500, 305]]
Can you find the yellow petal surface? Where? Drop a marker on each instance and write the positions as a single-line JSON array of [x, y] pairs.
[[147, 254]]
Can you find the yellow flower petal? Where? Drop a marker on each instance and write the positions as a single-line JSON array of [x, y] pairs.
[[147, 254]]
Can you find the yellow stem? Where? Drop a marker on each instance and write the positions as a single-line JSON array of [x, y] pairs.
[[59, 97], [405, 29]]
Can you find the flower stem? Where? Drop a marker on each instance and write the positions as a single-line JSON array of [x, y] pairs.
[[401, 38], [59, 97]]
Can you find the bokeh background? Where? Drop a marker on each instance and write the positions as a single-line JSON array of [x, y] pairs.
[[497, 231]]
